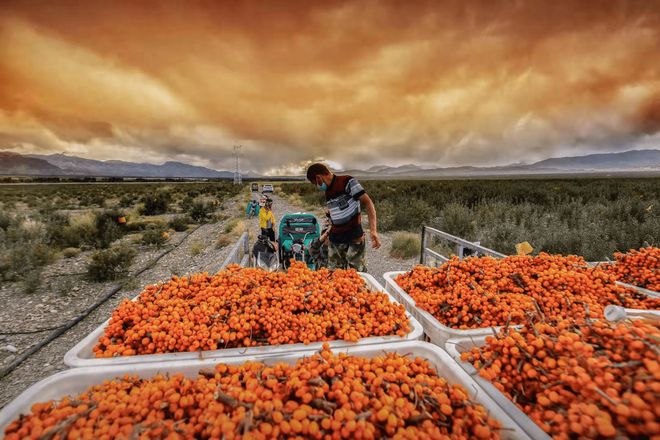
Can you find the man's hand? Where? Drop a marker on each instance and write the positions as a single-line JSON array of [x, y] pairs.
[[375, 240]]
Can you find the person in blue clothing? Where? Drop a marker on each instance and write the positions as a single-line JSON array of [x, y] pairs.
[[252, 209]]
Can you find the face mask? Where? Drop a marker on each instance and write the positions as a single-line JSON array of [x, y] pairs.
[[322, 187]]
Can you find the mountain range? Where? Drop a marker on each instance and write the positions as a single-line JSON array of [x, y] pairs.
[[64, 165], [627, 161]]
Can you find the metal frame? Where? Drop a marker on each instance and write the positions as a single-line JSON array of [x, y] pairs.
[[240, 253], [459, 243]]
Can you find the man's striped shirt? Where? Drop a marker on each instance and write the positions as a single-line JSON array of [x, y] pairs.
[[342, 201]]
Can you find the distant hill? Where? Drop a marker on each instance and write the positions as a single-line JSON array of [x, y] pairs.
[[628, 161], [16, 164], [62, 164], [635, 159], [118, 168]]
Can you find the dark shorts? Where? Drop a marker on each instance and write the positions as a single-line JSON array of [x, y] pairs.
[[270, 233]]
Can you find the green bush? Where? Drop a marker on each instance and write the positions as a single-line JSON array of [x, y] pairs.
[[32, 280], [110, 264], [154, 237], [126, 201], [156, 203], [457, 220], [98, 230], [108, 228], [200, 211], [179, 223], [144, 224], [23, 249], [405, 245], [186, 203], [5, 220]]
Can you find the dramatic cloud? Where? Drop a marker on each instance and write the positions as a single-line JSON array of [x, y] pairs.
[[356, 82]]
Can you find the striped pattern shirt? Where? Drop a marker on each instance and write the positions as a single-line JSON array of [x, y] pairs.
[[342, 200]]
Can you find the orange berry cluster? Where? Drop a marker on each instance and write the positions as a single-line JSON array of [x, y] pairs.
[[637, 267], [485, 291], [245, 307], [325, 396], [590, 379]]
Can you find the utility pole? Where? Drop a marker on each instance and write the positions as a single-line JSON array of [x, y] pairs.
[[238, 180]]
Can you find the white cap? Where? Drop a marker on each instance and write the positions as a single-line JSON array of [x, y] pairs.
[[615, 313]]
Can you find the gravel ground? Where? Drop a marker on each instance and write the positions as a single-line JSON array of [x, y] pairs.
[[63, 297]]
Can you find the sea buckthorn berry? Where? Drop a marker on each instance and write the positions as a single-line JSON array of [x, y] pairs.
[[482, 292], [596, 386], [245, 307], [637, 267], [234, 406]]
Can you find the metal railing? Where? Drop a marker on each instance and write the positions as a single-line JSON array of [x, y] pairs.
[[240, 253], [462, 248]]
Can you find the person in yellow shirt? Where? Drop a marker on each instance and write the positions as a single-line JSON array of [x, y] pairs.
[[267, 220]]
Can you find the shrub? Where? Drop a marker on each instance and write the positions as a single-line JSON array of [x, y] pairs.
[[108, 228], [110, 264], [156, 203], [154, 237], [196, 248], [144, 224], [200, 210], [70, 252], [457, 220], [223, 240], [5, 220], [405, 245], [186, 203], [179, 223], [126, 201], [23, 249], [231, 225], [32, 280], [73, 231]]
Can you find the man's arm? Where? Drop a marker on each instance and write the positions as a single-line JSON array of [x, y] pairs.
[[373, 220]]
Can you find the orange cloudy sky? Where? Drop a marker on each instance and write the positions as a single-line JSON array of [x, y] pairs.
[[358, 83]]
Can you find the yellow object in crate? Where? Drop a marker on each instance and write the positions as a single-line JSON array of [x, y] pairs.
[[524, 248]]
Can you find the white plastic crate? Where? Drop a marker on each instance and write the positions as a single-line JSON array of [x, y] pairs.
[[437, 332], [646, 292], [75, 381], [82, 354], [455, 347]]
